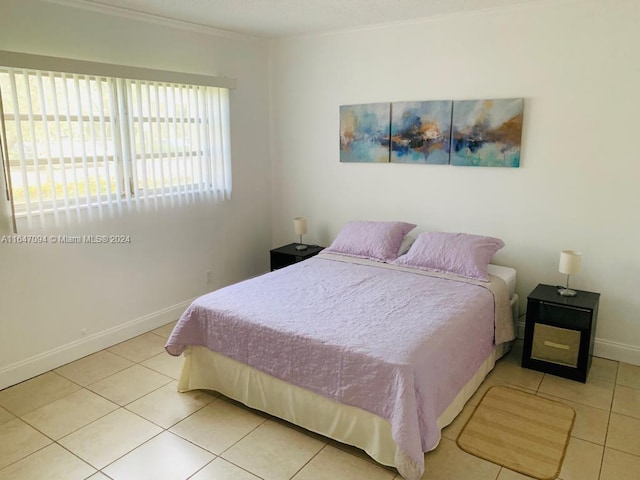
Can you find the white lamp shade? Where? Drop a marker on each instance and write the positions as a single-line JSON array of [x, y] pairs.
[[300, 225], [570, 262]]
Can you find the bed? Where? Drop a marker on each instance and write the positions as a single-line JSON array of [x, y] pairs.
[[376, 354]]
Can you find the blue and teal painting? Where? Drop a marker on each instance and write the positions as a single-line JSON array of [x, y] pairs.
[[421, 132], [487, 133], [364, 132]]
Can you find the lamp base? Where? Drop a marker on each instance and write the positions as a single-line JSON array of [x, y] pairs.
[[301, 246], [567, 292]]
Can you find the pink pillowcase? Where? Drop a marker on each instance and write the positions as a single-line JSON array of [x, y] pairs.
[[458, 253], [373, 240]]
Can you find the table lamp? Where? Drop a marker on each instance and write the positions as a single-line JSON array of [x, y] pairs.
[[569, 265], [300, 227]]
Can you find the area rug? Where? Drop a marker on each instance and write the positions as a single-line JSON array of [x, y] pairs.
[[520, 431]]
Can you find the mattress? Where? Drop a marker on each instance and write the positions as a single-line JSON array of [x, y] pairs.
[[508, 274]]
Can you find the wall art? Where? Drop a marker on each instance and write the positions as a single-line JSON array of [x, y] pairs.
[[421, 132], [487, 133], [364, 132], [475, 133]]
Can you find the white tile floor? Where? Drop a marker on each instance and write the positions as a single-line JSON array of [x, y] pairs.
[[116, 415]]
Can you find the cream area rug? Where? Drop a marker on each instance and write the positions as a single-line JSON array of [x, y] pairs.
[[520, 431]]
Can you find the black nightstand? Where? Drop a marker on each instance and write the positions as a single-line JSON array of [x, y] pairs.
[[559, 332], [288, 255]]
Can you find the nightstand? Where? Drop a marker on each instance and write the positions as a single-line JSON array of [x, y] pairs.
[[559, 332], [288, 255]]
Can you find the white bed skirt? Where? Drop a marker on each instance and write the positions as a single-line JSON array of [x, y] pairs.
[[207, 370]]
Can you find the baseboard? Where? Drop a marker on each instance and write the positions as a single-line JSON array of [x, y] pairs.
[[43, 362], [616, 351]]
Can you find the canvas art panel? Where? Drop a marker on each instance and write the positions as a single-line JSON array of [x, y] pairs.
[[421, 132], [364, 132], [487, 133]]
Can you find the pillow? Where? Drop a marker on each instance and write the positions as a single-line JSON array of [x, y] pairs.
[[373, 240], [458, 253], [406, 243]]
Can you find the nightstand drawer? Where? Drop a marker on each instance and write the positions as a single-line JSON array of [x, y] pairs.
[[563, 316], [556, 345]]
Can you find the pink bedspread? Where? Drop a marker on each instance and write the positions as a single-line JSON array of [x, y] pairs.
[[398, 344]]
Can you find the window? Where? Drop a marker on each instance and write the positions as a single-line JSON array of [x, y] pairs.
[[70, 141]]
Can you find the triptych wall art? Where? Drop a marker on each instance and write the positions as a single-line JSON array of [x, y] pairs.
[[479, 133]]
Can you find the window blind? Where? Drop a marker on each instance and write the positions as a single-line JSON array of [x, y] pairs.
[[72, 141]]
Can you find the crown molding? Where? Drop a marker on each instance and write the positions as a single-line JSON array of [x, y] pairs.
[[436, 17], [104, 9]]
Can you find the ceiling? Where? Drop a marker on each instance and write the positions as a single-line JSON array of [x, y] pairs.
[[278, 18]]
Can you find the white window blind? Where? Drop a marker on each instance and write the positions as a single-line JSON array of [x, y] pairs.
[[72, 141]]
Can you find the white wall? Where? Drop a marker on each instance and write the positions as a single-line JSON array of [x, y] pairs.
[[50, 294], [575, 62]]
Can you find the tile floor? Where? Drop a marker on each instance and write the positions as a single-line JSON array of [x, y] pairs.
[[116, 415]]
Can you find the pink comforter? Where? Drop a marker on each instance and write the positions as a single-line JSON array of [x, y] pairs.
[[398, 344]]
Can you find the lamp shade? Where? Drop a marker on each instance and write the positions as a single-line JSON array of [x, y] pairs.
[[570, 262], [300, 225]]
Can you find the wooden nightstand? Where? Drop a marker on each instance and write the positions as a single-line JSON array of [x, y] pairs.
[[559, 332], [288, 255]]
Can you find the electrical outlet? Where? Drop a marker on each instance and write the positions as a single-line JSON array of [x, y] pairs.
[[208, 276]]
